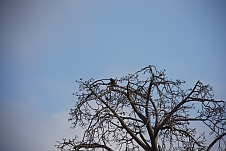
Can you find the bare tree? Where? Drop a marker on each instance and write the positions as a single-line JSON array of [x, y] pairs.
[[146, 111]]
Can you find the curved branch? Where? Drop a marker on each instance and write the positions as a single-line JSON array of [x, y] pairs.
[[178, 106], [95, 145], [188, 135], [143, 145], [139, 112], [214, 141]]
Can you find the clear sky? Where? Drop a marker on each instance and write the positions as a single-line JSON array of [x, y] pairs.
[[46, 45]]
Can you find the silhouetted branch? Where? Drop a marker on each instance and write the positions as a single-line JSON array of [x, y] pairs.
[[145, 110]]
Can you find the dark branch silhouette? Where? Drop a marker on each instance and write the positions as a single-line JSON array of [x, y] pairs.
[[146, 111], [112, 82]]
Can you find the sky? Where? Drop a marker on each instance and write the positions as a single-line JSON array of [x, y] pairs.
[[46, 45]]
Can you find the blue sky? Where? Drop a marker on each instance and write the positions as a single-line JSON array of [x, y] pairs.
[[46, 45]]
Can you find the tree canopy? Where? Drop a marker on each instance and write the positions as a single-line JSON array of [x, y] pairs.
[[146, 111]]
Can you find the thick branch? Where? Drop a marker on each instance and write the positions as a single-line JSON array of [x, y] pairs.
[[121, 121], [178, 106], [214, 141], [95, 145]]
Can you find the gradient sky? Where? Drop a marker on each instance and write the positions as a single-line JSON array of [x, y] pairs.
[[46, 45]]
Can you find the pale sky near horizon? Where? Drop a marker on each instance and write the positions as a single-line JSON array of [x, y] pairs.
[[46, 45]]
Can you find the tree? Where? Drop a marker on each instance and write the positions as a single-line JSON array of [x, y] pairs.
[[146, 111]]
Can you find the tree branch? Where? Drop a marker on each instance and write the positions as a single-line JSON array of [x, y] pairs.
[[214, 141]]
